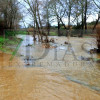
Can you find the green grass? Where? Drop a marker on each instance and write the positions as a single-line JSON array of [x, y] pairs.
[[2, 40], [10, 43], [15, 51], [53, 34], [13, 33], [6, 42]]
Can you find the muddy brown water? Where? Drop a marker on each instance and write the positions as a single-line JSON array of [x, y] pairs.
[[71, 61], [57, 73]]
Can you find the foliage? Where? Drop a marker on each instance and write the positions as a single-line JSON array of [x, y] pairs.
[[53, 34], [77, 26], [10, 13], [6, 42], [93, 23]]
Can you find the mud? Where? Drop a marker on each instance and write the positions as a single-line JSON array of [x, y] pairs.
[[40, 84], [50, 82]]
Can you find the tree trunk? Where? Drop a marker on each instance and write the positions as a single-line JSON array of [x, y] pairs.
[[59, 34], [48, 28], [82, 20], [85, 17]]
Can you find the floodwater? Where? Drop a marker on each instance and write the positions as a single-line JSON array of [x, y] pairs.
[[66, 72], [71, 61]]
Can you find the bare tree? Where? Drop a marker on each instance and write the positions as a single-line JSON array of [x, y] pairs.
[[34, 10], [47, 16]]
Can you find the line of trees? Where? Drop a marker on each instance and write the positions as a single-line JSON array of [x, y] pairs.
[[44, 12]]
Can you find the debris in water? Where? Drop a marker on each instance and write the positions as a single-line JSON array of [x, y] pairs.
[[85, 59], [93, 50], [47, 45], [29, 45], [52, 40], [28, 64], [66, 42]]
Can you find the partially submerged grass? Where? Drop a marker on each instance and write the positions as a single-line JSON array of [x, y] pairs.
[[53, 34], [7, 44], [10, 40]]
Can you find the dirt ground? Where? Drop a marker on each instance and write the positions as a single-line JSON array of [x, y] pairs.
[[38, 84]]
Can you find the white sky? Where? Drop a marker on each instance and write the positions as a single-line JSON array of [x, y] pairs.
[[65, 20], [90, 19]]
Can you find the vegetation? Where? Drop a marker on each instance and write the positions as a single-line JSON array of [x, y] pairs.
[[43, 13], [9, 15], [53, 34], [69, 15], [6, 43], [14, 32]]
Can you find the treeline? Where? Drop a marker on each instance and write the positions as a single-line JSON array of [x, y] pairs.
[[45, 12], [9, 15]]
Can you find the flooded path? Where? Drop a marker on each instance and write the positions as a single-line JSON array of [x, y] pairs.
[[50, 74], [70, 61], [40, 84]]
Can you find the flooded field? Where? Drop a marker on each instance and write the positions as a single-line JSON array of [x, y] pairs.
[[40, 84], [59, 73], [71, 61]]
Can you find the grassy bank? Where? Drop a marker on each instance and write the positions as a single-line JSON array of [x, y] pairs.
[[53, 34], [8, 44], [63, 32], [13, 33]]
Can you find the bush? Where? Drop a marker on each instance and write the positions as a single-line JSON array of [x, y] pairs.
[[77, 26]]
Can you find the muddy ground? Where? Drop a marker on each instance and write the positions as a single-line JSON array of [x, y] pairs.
[[56, 82]]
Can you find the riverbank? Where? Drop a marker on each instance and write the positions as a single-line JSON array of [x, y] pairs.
[[8, 45]]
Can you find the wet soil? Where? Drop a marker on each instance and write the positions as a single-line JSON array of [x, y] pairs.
[[50, 81]]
